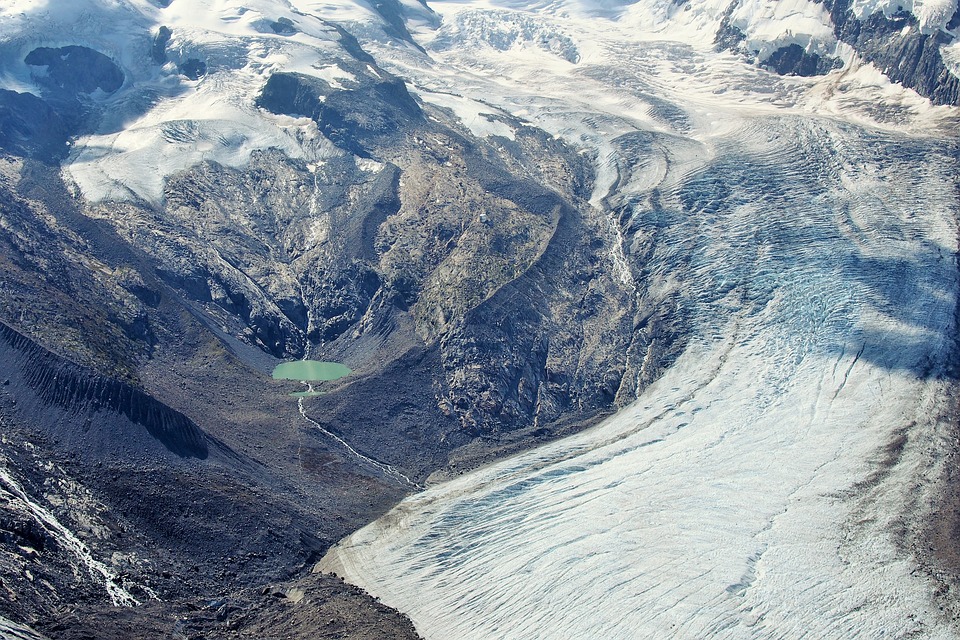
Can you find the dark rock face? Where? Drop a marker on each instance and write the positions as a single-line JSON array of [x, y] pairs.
[[193, 68], [83, 394], [794, 61], [293, 94], [74, 69], [30, 127], [40, 128], [283, 27], [898, 48], [159, 50], [728, 36], [348, 117], [394, 15], [350, 44], [93, 318], [182, 501]]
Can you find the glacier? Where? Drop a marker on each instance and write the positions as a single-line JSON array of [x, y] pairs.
[[773, 481]]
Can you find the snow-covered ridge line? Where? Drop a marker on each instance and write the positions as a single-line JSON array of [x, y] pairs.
[[218, 55], [201, 76], [932, 15], [801, 230]]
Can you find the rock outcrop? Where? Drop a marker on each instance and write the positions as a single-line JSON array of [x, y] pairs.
[[900, 49]]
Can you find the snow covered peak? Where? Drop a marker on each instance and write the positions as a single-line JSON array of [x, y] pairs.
[[763, 26], [793, 14], [191, 69], [793, 37], [226, 32]]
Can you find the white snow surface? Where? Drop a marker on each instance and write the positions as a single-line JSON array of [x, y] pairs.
[[805, 231], [771, 25], [480, 119], [241, 50], [931, 14], [160, 123]]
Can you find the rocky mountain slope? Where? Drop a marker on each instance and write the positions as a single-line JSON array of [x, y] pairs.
[[192, 192]]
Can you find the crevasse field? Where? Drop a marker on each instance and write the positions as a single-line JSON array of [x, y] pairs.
[[764, 486]]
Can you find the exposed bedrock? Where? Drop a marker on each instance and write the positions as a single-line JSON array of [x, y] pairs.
[[40, 127], [793, 60], [900, 50], [31, 127], [483, 251], [75, 69], [895, 44], [353, 117]]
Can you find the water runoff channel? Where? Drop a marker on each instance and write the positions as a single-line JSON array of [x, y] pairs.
[[311, 372]]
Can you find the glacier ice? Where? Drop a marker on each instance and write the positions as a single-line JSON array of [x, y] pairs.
[[764, 486]]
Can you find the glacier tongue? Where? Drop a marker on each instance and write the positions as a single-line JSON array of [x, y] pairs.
[[755, 490], [690, 514], [770, 482]]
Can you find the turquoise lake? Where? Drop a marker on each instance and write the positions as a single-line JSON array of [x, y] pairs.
[[310, 371]]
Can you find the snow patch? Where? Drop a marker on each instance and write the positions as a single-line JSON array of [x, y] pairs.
[[769, 26], [160, 123], [482, 120], [216, 120], [951, 57]]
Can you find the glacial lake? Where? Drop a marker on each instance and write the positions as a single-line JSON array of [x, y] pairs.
[[308, 371]]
